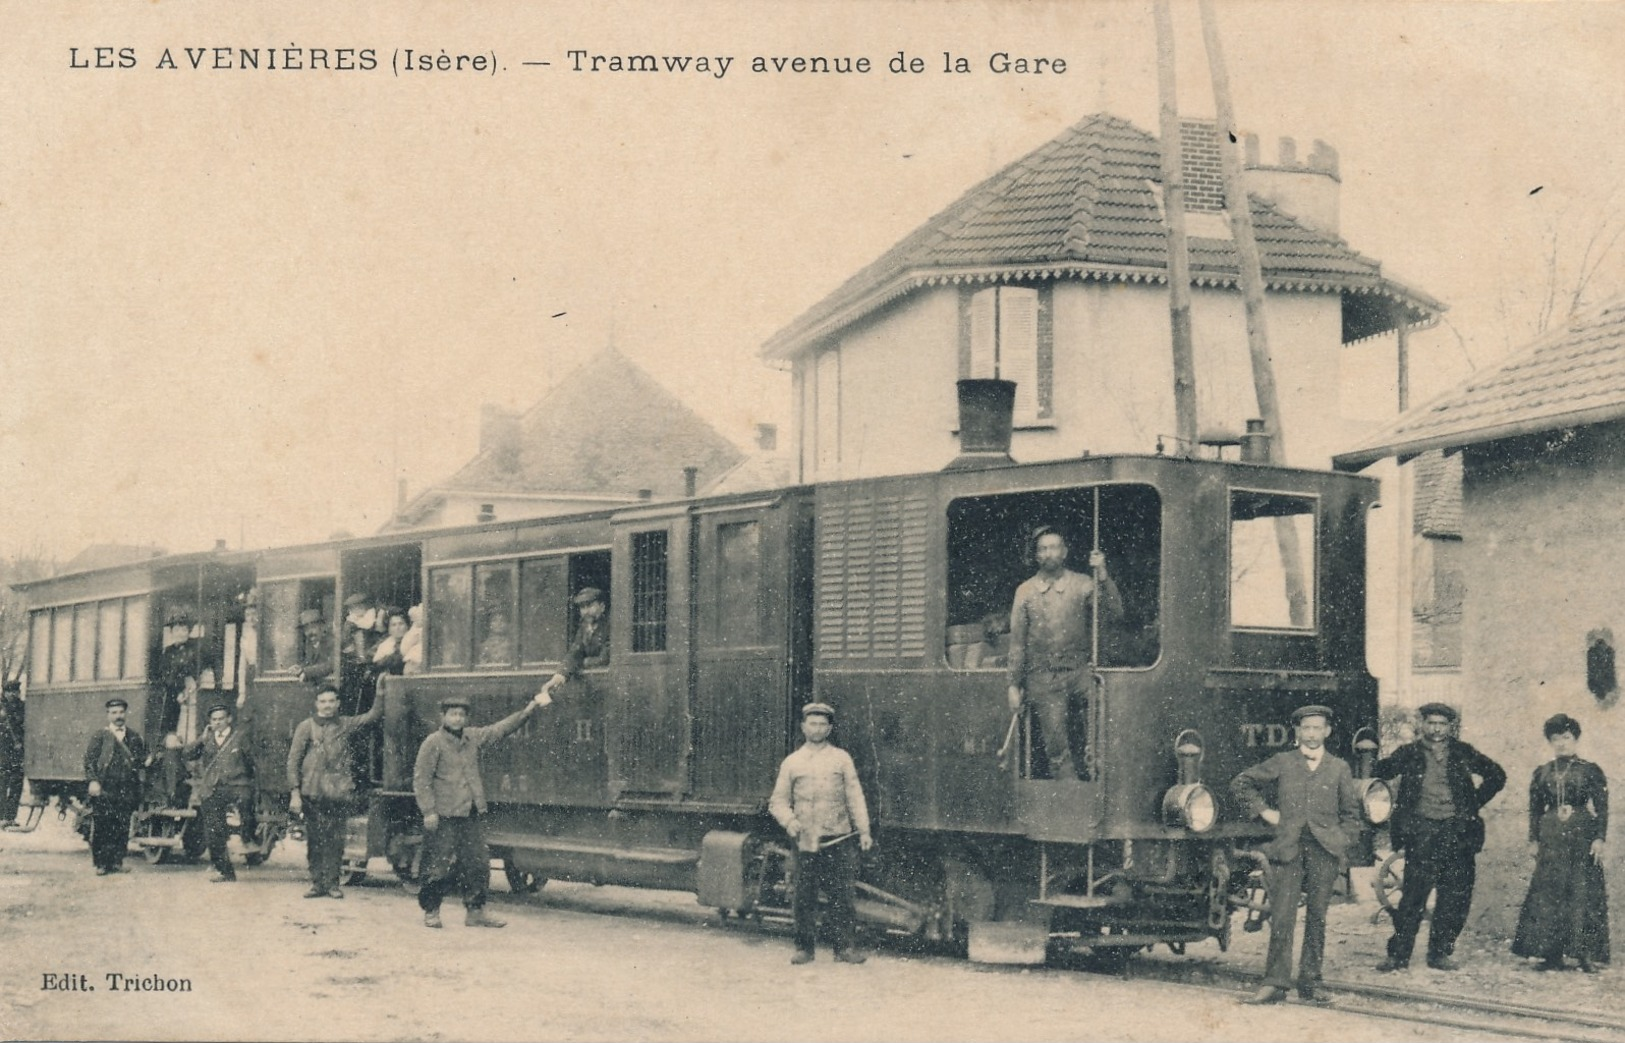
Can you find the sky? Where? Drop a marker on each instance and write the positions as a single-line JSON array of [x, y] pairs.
[[239, 303]]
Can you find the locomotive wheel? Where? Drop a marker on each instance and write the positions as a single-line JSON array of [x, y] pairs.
[[1389, 884], [520, 882], [265, 839], [352, 873], [410, 872]]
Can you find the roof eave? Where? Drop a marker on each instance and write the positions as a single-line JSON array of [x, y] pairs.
[[795, 339], [1404, 449]]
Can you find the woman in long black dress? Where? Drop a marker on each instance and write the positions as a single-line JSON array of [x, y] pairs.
[[1566, 910]]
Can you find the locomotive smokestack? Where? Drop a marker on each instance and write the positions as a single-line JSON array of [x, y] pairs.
[[691, 480], [1255, 444], [986, 418]]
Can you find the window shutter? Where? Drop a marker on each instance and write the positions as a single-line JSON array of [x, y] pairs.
[[983, 335], [1018, 347]]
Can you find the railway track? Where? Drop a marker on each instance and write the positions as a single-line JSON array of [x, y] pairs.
[[1415, 1006]]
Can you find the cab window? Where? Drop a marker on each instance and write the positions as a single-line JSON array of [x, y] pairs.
[[1272, 561], [991, 542]]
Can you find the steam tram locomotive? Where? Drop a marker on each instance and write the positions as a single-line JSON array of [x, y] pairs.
[[1243, 593]]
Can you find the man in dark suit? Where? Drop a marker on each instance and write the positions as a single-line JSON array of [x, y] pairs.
[[226, 779], [113, 763], [591, 646], [1317, 820], [1437, 824]]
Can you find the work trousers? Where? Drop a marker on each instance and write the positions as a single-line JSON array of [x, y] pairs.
[[455, 853], [833, 871], [1057, 698], [216, 830], [110, 831], [11, 793], [1312, 874], [325, 824], [1438, 858]]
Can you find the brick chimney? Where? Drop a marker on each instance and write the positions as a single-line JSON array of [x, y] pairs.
[[1204, 173], [499, 436]]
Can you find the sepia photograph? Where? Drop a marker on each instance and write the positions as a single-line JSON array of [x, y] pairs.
[[838, 520]]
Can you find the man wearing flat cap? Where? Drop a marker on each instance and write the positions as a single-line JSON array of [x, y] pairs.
[[321, 784], [591, 644], [450, 794], [1316, 819], [1436, 823], [226, 780], [113, 764], [819, 802]]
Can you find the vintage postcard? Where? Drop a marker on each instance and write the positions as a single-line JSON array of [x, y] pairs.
[[638, 385]]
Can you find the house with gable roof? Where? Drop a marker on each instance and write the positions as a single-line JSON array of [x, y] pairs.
[[1540, 442], [1053, 273], [608, 434]]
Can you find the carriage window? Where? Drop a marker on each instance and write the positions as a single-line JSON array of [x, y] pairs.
[[739, 579], [39, 648], [135, 637], [84, 642], [62, 645], [493, 614], [649, 591], [990, 554], [544, 600], [109, 630], [449, 616], [1272, 561]]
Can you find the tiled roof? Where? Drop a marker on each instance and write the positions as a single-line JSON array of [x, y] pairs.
[[1568, 378], [1436, 502], [1086, 204], [608, 427]]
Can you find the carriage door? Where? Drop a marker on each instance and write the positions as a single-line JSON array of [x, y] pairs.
[[650, 624], [742, 673]]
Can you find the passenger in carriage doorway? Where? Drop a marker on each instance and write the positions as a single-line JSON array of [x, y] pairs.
[[321, 783], [388, 657], [226, 780], [315, 648], [114, 761], [591, 645], [411, 646], [1437, 824], [446, 783], [1317, 820], [1051, 638], [819, 802]]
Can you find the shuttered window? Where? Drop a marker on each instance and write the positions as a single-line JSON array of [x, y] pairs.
[[871, 573], [1006, 342], [649, 591]]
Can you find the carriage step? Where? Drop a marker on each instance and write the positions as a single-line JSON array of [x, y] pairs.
[[1082, 901], [169, 842], [175, 813]]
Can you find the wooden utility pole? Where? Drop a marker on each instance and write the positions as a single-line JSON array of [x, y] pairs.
[[1179, 265], [1241, 230], [1251, 271]]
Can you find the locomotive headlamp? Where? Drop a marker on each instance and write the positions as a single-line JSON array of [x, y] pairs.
[[1376, 799], [1189, 805]]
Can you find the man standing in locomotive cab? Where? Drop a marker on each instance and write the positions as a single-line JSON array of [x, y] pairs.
[[226, 779], [446, 782], [819, 802], [1317, 821], [1051, 645], [321, 783], [1436, 823], [591, 644], [113, 764]]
